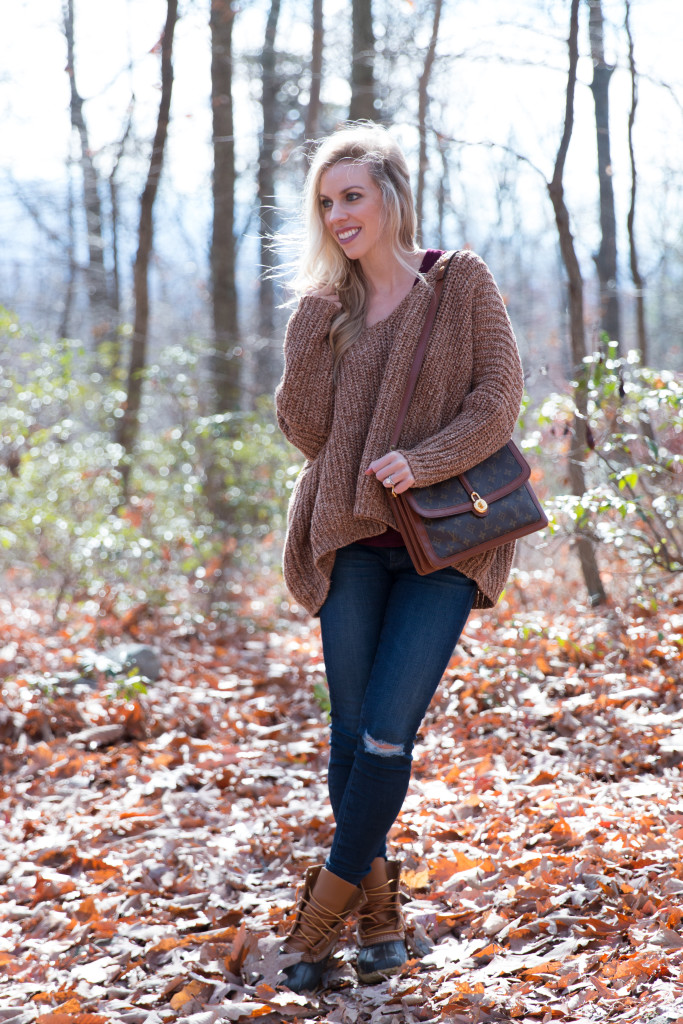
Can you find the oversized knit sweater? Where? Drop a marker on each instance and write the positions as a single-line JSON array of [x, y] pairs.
[[463, 409]]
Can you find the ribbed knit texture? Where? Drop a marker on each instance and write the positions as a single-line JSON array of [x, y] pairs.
[[464, 408]]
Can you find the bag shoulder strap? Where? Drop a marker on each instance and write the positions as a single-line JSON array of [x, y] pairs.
[[418, 358]]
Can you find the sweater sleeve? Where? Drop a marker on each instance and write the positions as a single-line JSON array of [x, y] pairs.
[[304, 398], [489, 412]]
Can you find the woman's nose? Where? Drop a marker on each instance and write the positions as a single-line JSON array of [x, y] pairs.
[[336, 213]]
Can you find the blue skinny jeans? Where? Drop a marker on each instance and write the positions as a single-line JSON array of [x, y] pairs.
[[388, 635]]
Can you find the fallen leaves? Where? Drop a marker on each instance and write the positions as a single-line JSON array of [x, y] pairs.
[[151, 847]]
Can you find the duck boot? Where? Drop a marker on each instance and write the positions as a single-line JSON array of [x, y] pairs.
[[381, 930], [324, 905]]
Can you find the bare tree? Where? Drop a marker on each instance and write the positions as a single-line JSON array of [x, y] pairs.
[[269, 363], [633, 251], [312, 128], [579, 446], [225, 364], [98, 292], [422, 107], [128, 425], [606, 257], [63, 330], [114, 204], [363, 87], [443, 194]]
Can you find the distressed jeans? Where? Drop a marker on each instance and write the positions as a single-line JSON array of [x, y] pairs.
[[388, 635]]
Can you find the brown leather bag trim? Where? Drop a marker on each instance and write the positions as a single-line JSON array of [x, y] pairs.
[[413, 496], [420, 548]]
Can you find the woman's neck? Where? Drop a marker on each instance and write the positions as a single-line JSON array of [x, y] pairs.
[[387, 276], [388, 285]]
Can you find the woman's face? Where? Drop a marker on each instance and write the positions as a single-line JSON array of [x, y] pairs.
[[352, 209]]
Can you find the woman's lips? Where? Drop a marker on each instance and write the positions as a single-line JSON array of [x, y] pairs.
[[347, 235]]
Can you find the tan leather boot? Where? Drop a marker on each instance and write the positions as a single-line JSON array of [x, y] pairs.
[[381, 930], [324, 905]]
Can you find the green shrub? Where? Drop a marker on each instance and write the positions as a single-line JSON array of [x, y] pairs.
[[634, 459], [204, 492]]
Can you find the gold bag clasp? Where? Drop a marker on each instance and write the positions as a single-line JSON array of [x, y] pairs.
[[480, 505]]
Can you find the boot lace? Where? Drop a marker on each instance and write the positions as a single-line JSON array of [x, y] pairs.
[[380, 912], [314, 922]]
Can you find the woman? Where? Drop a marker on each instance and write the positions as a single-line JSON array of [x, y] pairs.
[[387, 632]]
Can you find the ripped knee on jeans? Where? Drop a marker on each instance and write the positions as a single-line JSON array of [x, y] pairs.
[[381, 747]]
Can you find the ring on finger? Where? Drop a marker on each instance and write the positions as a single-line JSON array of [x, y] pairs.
[[388, 481]]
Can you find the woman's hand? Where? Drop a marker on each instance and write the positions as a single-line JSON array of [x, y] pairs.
[[328, 293], [392, 470]]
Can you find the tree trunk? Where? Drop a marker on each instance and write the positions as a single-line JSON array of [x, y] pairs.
[[362, 62], [443, 193], [269, 364], [422, 107], [114, 201], [312, 128], [98, 293], [130, 421], [63, 330], [577, 454], [225, 364], [638, 282], [606, 258], [115, 355]]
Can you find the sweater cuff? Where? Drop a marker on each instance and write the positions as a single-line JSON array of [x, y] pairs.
[[427, 468], [450, 453], [313, 316]]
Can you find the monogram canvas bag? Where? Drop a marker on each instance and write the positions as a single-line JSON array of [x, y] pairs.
[[491, 504]]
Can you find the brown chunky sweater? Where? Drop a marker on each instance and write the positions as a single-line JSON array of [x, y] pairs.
[[464, 408]]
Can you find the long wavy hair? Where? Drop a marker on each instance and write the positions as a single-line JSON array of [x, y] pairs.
[[323, 263]]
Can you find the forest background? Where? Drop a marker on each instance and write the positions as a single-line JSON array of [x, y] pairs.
[[151, 153]]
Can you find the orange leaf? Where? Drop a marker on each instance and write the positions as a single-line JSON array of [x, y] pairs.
[[417, 878], [165, 945], [547, 967], [241, 944], [490, 950], [455, 862], [195, 990], [86, 909], [104, 928], [70, 1006]]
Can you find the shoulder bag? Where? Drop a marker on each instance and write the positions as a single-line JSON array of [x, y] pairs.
[[489, 505]]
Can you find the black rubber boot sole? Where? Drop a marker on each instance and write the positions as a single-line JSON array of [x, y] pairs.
[[380, 960], [304, 977]]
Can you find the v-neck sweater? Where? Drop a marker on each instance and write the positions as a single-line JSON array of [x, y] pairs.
[[392, 538], [464, 408]]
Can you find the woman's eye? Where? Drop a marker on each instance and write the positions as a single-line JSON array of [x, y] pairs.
[[351, 196], [326, 203]]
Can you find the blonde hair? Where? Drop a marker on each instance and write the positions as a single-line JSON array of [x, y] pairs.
[[323, 264]]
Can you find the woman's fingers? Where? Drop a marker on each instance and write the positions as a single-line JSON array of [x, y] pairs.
[[399, 481], [382, 467], [392, 470], [403, 485]]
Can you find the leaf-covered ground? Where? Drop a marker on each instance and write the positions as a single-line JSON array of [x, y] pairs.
[[151, 844]]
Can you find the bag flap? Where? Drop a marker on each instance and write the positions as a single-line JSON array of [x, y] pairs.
[[500, 474]]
